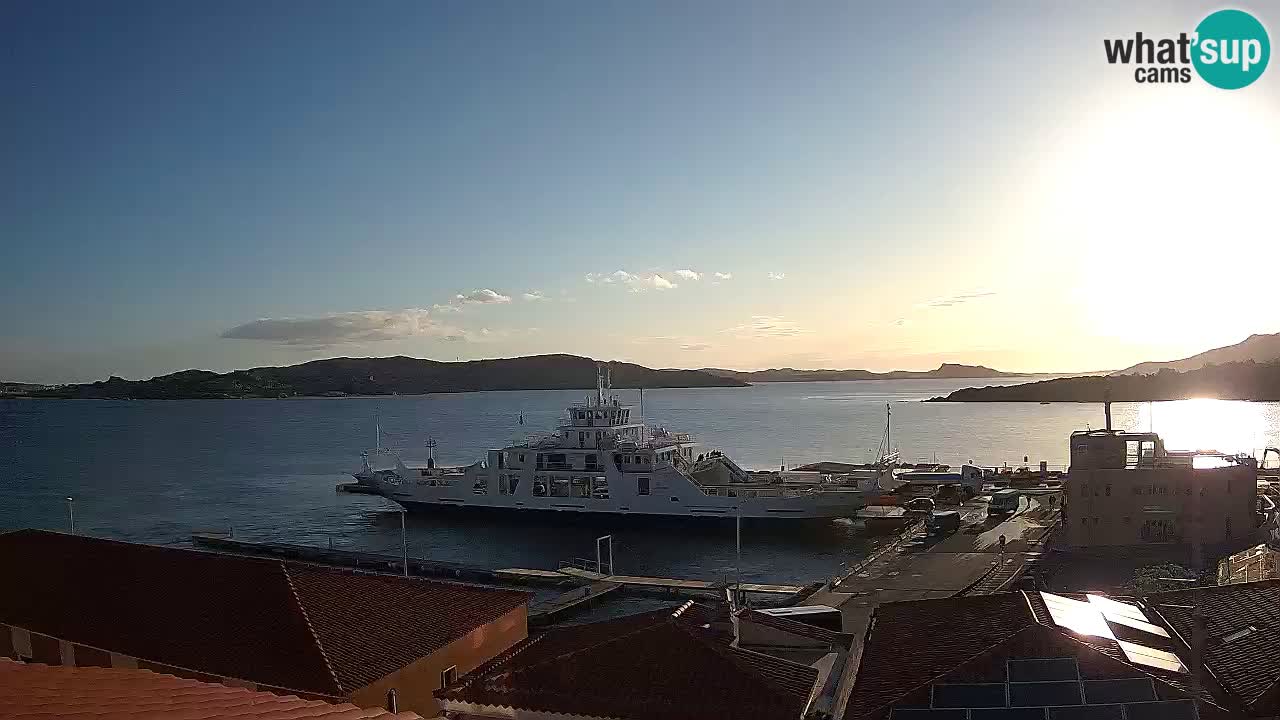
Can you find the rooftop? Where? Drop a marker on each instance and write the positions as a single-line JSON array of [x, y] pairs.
[[38, 692], [1014, 644], [661, 665], [1242, 634], [292, 626]]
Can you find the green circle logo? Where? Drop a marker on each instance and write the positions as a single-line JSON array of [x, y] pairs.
[[1232, 49]]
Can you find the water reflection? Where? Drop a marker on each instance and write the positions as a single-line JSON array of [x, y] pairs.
[[1203, 424]]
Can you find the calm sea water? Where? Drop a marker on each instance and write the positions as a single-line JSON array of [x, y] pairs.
[[156, 471]]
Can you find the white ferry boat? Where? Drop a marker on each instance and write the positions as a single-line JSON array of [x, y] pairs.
[[604, 460]]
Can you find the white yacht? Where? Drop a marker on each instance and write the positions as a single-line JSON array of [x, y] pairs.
[[605, 460]]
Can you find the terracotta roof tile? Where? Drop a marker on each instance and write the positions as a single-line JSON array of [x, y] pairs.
[[290, 625], [1247, 665], [37, 692], [654, 666]]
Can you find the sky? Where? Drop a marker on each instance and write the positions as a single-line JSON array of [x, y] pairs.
[[713, 184]]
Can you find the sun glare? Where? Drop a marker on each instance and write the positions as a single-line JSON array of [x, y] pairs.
[[1206, 424]]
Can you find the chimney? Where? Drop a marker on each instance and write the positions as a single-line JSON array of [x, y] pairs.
[[393, 704], [1106, 406]]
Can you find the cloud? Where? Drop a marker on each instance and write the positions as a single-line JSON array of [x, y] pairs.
[[484, 296], [723, 276], [957, 299], [636, 282], [338, 328], [777, 275], [534, 295], [689, 274], [900, 322], [765, 326], [695, 346]]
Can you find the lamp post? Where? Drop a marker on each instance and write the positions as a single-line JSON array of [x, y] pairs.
[[71, 513], [404, 543]]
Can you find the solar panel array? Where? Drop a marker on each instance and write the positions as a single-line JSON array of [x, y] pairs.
[[1048, 689], [1093, 618]]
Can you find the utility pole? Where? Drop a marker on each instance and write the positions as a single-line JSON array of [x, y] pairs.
[[71, 511]]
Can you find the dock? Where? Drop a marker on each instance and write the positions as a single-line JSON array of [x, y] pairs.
[[584, 587], [572, 601]]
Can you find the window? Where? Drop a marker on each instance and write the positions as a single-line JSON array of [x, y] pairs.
[[642, 486], [1108, 491], [502, 484], [582, 438], [521, 458], [559, 487], [448, 676]]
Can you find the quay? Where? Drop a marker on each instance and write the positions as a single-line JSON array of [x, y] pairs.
[[585, 587]]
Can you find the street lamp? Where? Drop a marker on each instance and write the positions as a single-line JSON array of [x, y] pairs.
[[404, 542], [71, 512]]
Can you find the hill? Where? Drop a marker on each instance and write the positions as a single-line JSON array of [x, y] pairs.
[[1255, 348], [946, 370], [393, 375], [1232, 381]]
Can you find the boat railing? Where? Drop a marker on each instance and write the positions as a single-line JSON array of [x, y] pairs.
[[579, 564]]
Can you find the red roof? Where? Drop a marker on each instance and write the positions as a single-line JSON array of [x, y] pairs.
[[38, 692], [657, 666], [1246, 661], [294, 626], [913, 644]]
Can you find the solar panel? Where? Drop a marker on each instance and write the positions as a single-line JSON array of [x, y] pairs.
[[1151, 657], [1087, 712], [1121, 691], [1163, 710], [1041, 669], [926, 714], [1077, 616], [968, 695], [1106, 604], [1008, 714], [1044, 694]]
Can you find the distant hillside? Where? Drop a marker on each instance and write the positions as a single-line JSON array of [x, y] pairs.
[[1233, 381], [385, 376], [1255, 348], [946, 370]]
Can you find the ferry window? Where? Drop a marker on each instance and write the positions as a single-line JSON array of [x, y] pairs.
[[642, 486], [675, 499], [514, 480], [522, 458], [449, 676], [502, 484], [540, 486], [559, 487], [578, 486], [582, 439]]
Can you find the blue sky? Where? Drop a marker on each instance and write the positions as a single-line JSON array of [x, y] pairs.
[[234, 184]]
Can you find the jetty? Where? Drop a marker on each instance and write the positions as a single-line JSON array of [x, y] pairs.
[[585, 587]]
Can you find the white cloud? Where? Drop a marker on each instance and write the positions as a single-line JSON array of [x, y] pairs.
[[636, 282], [723, 276], [777, 275], [689, 274], [484, 296], [695, 346], [957, 299], [534, 295], [338, 328], [765, 326]]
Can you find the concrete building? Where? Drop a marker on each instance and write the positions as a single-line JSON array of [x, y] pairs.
[[262, 624], [1125, 488]]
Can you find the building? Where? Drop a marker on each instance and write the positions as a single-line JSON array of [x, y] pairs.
[[1239, 635], [1022, 655], [1036, 655], [1125, 489], [1260, 562], [263, 624], [681, 664], [34, 691]]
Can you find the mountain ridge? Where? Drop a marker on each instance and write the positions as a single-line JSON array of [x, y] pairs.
[[943, 371], [1259, 348], [402, 375]]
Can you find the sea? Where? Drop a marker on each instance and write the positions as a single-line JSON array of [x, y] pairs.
[[156, 471]]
